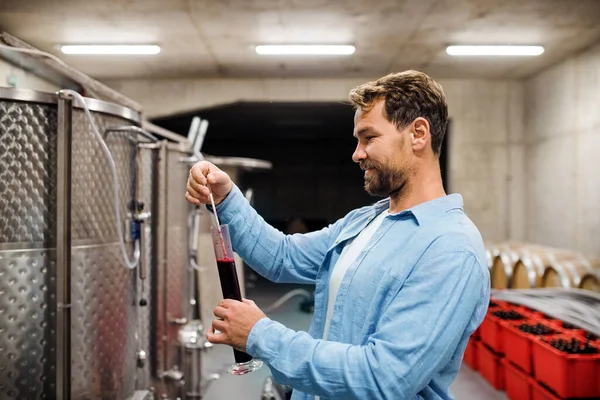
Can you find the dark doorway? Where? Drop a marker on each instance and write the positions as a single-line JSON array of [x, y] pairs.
[[310, 145]]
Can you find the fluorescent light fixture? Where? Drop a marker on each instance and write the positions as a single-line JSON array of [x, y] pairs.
[[494, 50], [305, 49], [121, 49]]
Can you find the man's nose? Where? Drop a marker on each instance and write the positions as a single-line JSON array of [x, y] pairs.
[[359, 153]]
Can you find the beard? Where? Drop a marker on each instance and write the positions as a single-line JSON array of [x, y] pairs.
[[382, 181]]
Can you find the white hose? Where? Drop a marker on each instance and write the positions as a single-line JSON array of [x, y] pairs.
[[129, 264]]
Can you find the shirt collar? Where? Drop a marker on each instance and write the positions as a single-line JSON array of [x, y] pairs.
[[429, 210]]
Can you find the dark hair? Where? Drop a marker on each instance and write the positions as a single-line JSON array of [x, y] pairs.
[[408, 95]]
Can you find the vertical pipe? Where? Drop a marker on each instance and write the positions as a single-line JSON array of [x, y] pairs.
[[155, 266], [164, 160], [63, 248]]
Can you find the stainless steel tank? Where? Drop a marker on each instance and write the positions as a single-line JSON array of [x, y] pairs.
[[173, 297], [69, 309]]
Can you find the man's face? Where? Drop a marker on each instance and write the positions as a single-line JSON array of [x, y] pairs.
[[382, 152]]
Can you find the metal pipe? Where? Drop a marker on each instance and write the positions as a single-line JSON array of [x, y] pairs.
[[164, 178], [194, 381], [63, 247], [165, 133], [130, 129], [156, 264], [199, 141], [193, 131]]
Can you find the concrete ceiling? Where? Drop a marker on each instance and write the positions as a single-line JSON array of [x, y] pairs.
[[216, 38]]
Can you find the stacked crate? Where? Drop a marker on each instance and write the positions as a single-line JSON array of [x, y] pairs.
[[534, 357]]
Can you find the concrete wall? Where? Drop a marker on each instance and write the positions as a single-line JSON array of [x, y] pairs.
[[562, 113], [23, 79], [486, 144]]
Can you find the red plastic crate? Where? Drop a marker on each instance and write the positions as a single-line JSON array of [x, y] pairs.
[[490, 366], [470, 357], [541, 393], [518, 345], [518, 384], [499, 304], [491, 334], [582, 335], [569, 375], [526, 311], [491, 331], [569, 330]]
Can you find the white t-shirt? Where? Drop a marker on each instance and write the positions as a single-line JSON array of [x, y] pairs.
[[351, 251]]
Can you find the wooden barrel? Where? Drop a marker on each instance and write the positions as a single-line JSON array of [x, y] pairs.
[[502, 267], [569, 270], [590, 282], [504, 257], [529, 268]]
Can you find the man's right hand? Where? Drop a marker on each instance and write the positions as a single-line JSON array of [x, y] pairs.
[[205, 177]]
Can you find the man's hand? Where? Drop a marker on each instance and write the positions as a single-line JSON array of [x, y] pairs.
[[205, 176], [236, 321]]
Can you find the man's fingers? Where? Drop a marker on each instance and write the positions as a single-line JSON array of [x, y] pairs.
[[217, 177], [219, 325], [220, 312], [193, 191], [228, 303], [192, 182], [191, 199], [250, 302], [199, 172], [215, 338]]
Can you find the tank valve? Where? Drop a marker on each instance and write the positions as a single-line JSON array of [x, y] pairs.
[[141, 358]]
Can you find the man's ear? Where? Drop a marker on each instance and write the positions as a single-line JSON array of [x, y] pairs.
[[420, 136]]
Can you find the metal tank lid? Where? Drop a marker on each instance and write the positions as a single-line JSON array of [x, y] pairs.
[[33, 96]]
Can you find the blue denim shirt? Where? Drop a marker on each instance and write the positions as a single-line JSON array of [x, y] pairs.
[[404, 310]]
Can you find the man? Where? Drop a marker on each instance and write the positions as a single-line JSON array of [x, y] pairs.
[[400, 285]]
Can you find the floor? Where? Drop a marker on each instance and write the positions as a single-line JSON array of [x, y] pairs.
[[468, 384]]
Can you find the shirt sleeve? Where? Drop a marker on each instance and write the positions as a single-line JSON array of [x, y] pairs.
[[416, 337], [273, 254]]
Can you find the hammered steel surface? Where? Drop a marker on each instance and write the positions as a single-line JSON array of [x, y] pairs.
[[93, 218], [28, 229], [104, 319], [27, 173], [104, 340], [103, 324], [27, 327]]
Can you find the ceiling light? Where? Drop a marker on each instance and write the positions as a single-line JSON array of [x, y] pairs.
[[306, 49], [124, 49], [494, 50]]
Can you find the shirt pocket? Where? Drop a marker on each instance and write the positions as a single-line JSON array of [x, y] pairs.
[[375, 287]]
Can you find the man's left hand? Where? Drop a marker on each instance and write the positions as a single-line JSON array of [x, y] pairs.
[[236, 320]]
